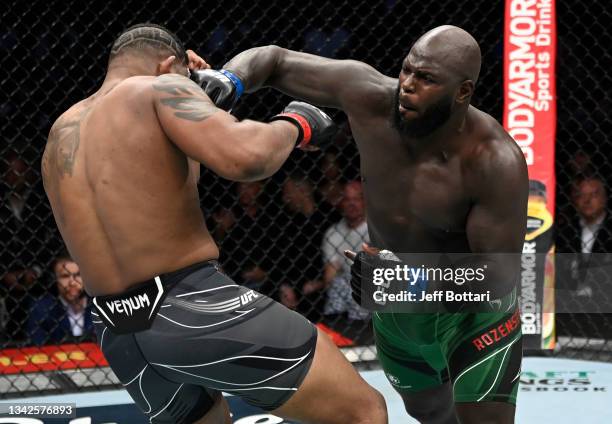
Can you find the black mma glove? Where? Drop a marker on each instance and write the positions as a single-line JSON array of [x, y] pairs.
[[315, 127], [223, 87], [362, 276]]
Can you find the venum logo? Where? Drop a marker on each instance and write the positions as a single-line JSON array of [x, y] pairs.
[[129, 305]]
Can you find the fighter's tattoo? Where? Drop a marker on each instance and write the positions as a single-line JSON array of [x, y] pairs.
[[63, 144], [187, 101], [175, 84]]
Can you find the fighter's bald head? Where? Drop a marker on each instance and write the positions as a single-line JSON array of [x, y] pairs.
[[452, 48]]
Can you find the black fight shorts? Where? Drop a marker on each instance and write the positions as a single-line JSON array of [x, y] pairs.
[[175, 342]]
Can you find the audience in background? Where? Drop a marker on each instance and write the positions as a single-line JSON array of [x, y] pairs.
[[584, 276], [26, 232], [64, 316], [580, 163], [589, 229], [331, 186], [347, 234], [289, 248], [301, 227], [590, 198], [244, 252]]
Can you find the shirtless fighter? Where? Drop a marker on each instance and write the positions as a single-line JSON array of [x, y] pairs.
[[121, 170], [439, 176]]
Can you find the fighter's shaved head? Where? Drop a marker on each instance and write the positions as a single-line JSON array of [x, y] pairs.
[[437, 80], [452, 48]]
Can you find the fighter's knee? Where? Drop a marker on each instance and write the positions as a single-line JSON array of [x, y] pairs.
[[486, 413], [371, 411], [218, 414], [379, 409], [431, 415]]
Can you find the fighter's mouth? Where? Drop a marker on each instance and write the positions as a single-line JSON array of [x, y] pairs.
[[406, 106]]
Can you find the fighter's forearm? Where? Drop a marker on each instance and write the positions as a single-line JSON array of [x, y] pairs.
[[311, 78], [255, 67], [266, 148]]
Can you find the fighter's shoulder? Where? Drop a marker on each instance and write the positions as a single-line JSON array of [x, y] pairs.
[[493, 153], [139, 88], [365, 75], [370, 90], [67, 118], [144, 87]]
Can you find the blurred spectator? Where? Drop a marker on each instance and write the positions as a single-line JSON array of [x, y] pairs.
[[584, 279], [331, 186], [591, 228], [223, 220], [3, 321], [25, 230], [248, 198], [580, 164], [302, 225], [244, 251], [348, 234], [18, 179], [344, 136], [65, 316]]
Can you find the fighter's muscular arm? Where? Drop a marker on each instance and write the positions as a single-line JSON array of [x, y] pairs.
[[342, 84], [496, 222], [239, 151]]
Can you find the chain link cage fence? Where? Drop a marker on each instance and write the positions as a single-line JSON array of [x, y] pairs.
[[582, 166], [275, 234]]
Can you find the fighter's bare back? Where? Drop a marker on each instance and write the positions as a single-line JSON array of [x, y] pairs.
[[125, 198]]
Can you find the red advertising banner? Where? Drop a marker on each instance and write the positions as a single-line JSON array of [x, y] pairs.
[[530, 114], [50, 358]]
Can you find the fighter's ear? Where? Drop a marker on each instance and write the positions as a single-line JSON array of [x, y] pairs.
[[165, 66], [465, 91]]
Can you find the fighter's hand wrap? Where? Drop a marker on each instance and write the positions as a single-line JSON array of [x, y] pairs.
[[223, 87], [362, 275], [315, 127]]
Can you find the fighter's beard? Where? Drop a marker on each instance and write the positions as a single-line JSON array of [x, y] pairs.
[[431, 119]]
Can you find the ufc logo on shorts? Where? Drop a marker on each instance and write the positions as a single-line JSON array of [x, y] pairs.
[[247, 297]]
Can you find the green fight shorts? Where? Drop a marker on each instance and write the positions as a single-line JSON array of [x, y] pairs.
[[479, 353]]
